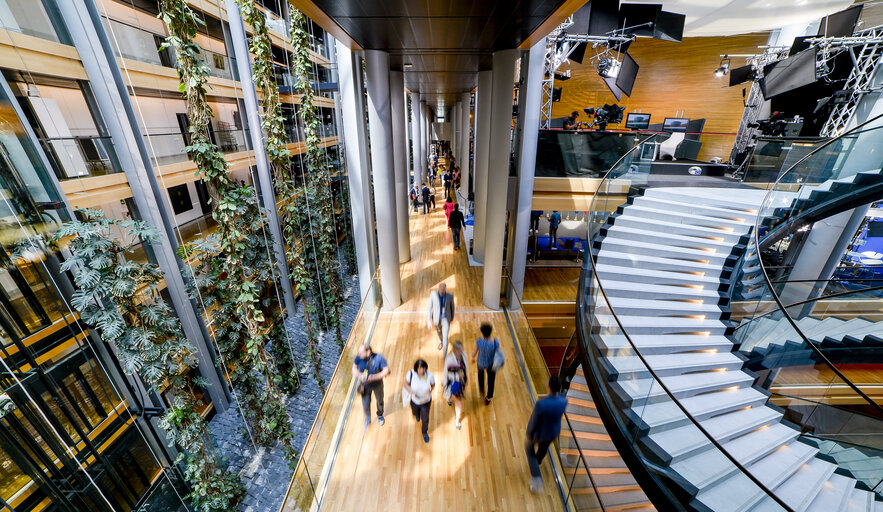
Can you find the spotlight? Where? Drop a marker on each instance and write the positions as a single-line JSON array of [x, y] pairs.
[[608, 67], [723, 69]]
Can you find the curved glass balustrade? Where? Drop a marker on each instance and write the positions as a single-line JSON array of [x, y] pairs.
[[812, 343]]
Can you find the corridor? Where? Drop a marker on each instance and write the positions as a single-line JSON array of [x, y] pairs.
[[482, 466]]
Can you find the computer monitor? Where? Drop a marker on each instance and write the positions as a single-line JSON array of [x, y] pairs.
[[840, 24], [675, 124], [636, 121], [788, 74], [628, 71]]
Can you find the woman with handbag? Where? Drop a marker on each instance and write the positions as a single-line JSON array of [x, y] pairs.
[[418, 387], [455, 378], [484, 355]]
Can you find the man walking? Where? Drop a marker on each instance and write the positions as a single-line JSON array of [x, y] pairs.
[[554, 222], [441, 314], [370, 369], [412, 195], [456, 223], [543, 428], [425, 194]]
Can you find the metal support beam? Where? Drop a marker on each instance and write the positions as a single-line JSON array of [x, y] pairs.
[[380, 126]]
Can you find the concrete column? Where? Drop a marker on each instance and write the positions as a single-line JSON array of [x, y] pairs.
[[455, 132], [355, 139], [464, 140], [417, 136], [498, 174], [531, 106], [265, 179], [426, 135], [382, 163], [482, 148], [112, 96], [400, 153]]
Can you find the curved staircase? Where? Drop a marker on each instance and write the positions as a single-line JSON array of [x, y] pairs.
[[665, 261]]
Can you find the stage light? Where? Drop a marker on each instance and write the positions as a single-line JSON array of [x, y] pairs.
[[723, 69], [608, 67]]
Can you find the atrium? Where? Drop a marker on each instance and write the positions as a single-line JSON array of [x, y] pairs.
[[561, 255]]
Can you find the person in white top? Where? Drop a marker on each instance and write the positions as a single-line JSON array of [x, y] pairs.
[[420, 383], [440, 315]]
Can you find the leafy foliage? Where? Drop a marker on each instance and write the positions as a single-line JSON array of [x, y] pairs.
[[237, 270], [121, 298]]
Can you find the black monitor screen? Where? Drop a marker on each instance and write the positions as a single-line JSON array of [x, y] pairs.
[[789, 74], [741, 75], [628, 71], [675, 124], [637, 121], [840, 24], [611, 84]]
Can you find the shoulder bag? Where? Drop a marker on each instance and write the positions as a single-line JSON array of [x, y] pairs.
[[499, 359]]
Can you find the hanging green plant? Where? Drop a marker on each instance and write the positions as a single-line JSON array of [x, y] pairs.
[[120, 297], [293, 214], [317, 178], [242, 236]]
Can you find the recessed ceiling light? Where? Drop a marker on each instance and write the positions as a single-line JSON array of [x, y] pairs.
[[407, 65]]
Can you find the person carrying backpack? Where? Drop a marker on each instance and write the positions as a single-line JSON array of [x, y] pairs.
[[413, 197], [419, 383], [483, 356]]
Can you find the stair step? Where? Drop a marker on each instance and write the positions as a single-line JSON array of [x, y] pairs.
[[674, 364], [620, 232], [669, 251], [801, 488], [690, 207], [743, 200], [834, 494], [642, 211], [663, 344], [659, 264], [614, 273], [662, 416], [665, 325], [676, 228], [660, 291], [658, 307]]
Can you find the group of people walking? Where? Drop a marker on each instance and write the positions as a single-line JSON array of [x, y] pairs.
[[426, 193], [419, 383]]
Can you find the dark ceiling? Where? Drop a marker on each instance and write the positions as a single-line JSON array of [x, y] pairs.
[[446, 42]]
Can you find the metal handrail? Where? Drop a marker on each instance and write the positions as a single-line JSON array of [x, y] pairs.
[[656, 377], [766, 276]]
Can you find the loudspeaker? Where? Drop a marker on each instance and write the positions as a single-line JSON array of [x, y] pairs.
[[556, 94]]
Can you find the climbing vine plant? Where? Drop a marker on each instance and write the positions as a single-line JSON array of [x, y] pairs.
[[241, 240], [317, 182], [295, 217], [121, 298]]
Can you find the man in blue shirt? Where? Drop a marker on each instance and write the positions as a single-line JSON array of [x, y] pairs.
[[370, 369], [544, 426], [554, 222]]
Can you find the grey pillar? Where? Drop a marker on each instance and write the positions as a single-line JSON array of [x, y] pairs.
[[464, 140], [265, 179], [400, 154], [455, 131], [424, 139], [87, 31], [358, 172], [417, 137], [531, 106], [498, 174], [380, 126], [482, 148]]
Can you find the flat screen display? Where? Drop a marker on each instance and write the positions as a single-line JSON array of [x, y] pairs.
[[628, 71], [636, 121], [741, 75], [789, 74], [840, 24], [675, 124]]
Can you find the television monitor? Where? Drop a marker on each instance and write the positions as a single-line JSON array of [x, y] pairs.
[[636, 121], [611, 84], [840, 24], [741, 75], [628, 71], [675, 124], [789, 74], [800, 43]]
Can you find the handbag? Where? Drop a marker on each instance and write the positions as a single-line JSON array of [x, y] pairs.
[[406, 395], [447, 392], [499, 358]]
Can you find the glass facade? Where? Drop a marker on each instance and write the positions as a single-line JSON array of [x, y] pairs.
[[75, 431]]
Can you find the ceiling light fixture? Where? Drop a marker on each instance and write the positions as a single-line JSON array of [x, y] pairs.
[[407, 65]]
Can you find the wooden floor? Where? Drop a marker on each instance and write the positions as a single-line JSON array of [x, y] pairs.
[[482, 466], [542, 284]]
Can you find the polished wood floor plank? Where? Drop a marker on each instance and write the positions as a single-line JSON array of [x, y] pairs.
[[480, 467]]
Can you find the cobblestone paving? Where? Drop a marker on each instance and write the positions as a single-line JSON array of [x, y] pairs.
[[263, 469]]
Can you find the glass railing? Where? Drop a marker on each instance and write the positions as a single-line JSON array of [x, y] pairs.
[[816, 344], [169, 147], [590, 154], [577, 480], [311, 476], [639, 399], [162, 497], [79, 157]]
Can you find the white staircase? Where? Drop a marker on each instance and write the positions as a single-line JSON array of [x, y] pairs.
[[663, 263], [767, 333]]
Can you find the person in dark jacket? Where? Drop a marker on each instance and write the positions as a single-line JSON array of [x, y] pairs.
[[425, 194], [554, 222], [456, 223], [543, 428]]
